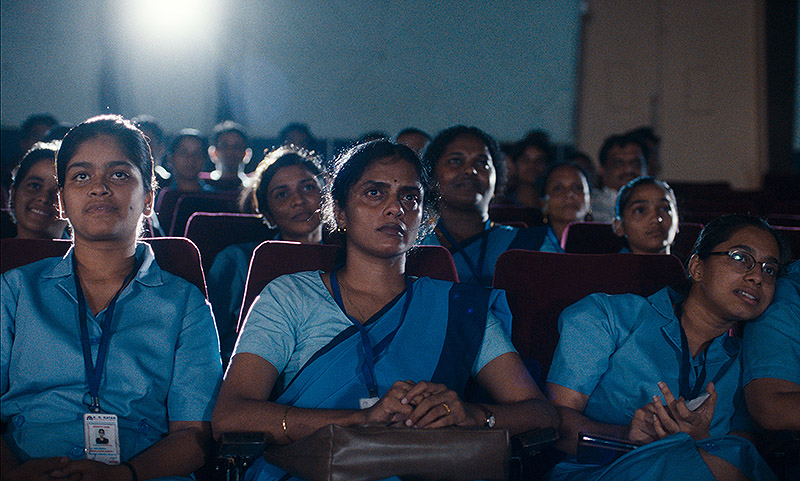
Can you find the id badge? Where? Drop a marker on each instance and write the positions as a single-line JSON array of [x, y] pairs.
[[101, 437], [368, 402]]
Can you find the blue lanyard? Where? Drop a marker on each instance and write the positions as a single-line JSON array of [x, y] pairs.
[[699, 383], [368, 367], [456, 247], [94, 372]]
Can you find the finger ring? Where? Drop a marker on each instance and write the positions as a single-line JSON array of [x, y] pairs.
[[446, 407]]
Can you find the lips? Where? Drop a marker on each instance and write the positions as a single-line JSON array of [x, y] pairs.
[[47, 213], [392, 229], [100, 208], [749, 296], [304, 216]]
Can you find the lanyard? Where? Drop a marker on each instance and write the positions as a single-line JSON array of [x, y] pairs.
[[368, 367], [699, 384], [94, 372], [456, 247]]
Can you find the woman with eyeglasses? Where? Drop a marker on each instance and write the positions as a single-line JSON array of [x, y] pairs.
[[662, 371]]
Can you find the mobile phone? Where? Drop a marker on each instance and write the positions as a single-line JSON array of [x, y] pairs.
[[599, 449], [697, 402]]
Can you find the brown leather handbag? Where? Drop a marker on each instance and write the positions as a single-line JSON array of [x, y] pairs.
[[365, 453]]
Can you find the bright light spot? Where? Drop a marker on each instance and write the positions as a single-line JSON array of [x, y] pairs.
[[178, 21]]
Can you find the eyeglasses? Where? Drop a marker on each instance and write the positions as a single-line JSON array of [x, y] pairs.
[[743, 262]]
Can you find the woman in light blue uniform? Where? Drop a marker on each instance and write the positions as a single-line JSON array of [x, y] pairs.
[[309, 333], [466, 164], [286, 192], [646, 216], [772, 364], [566, 198], [105, 332], [622, 361]]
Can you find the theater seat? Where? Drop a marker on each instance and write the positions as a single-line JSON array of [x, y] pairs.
[[539, 285], [213, 232], [175, 255], [273, 259]]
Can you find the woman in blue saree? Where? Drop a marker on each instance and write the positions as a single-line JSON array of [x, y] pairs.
[[366, 344], [663, 371]]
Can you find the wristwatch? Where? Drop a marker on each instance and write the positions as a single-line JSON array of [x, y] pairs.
[[489, 420]]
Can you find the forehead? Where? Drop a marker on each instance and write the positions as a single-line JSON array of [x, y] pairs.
[[532, 151], [189, 142], [391, 170], [626, 151], [467, 143], [649, 192], [41, 168], [99, 150], [762, 243], [565, 174], [290, 173]]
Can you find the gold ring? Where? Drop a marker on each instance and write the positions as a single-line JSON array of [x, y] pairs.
[[446, 407]]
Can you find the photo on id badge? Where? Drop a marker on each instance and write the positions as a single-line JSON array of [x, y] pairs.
[[101, 437]]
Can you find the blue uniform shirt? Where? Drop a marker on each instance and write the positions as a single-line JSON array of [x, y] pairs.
[[163, 359], [772, 342], [617, 348]]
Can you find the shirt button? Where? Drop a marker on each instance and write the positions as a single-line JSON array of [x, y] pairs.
[[143, 426], [95, 340], [76, 452], [19, 421]]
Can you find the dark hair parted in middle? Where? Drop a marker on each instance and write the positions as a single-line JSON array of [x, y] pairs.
[[351, 165], [439, 144], [627, 190], [722, 228], [130, 139]]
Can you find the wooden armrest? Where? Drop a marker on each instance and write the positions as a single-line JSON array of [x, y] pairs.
[[532, 442]]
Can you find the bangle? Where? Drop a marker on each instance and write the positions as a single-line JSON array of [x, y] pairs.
[[134, 476], [283, 423]]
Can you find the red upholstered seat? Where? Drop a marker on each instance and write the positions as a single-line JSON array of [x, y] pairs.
[[213, 232], [539, 285], [176, 255], [273, 259]]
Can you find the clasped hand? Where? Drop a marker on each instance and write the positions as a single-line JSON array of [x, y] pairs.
[[656, 420], [423, 405]]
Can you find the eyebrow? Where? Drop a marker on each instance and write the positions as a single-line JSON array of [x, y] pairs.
[[751, 251], [86, 165]]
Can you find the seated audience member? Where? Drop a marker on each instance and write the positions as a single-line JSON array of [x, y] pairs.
[[464, 161], [413, 138], [529, 161], [56, 133], [157, 141], [772, 358], [105, 332], [286, 192], [34, 129], [622, 159], [646, 216], [647, 136], [299, 135], [33, 198], [618, 355], [583, 159], [230, 154], [380, 198], [566, 199], [187, 155]]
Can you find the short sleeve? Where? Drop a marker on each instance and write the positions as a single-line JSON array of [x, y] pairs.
[[270, 329], [8, 301], [587, 340], [198, 368], [496, 338], [778, 326]]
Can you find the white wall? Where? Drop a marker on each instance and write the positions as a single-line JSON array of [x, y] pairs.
[[343, 66]]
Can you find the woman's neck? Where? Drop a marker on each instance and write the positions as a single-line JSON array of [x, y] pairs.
[[104, 261], [700, 323], [463, 224], [559, 228], [528, 196]]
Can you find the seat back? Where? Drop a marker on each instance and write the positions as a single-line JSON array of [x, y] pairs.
[[213, 232], [599, 238], [539, 285], [175, 255], [503, 214], [188, 204], [273, 259], [792, 234]]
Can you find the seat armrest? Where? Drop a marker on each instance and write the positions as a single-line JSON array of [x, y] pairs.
[[236, 451], [531, 442]]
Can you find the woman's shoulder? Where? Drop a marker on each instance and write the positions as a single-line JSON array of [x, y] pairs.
[[299, 283], [48, 267]]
